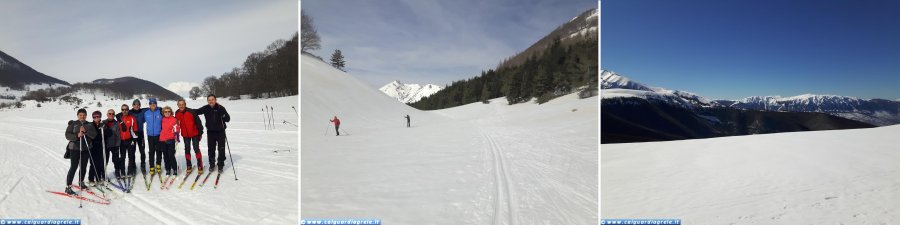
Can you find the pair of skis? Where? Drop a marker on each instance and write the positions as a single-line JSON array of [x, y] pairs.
[[102, 200], [216, 185]]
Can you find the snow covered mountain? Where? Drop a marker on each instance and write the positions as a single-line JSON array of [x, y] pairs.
[[16, 79], [613, 85], [634, 112], [879, 112], [16, 75], [584, 25], [409, 93]]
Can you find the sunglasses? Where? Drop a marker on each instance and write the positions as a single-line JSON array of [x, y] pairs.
[[109, 113], [96, 116]]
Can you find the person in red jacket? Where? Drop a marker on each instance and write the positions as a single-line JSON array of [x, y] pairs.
[[168, 137], [337, 125], [192, 131], [128, 127]]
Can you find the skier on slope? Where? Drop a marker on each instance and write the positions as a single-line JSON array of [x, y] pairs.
[[153, 119], [216, 116], [96, 170], [79, 133], [407, 120], [337, 125], [192, 131], [111, 136], [128, 129], [168, 138]]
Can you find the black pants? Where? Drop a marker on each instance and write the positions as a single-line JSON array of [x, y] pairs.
[[127, 147], [216, 142], [113, 152], [169, 151], [192, 143], [78, 160], [154, 149], [139, 144], [337, 129], [97, 170], [407, 123]]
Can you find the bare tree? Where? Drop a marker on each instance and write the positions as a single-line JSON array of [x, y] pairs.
[[310, 37], [194, 93]]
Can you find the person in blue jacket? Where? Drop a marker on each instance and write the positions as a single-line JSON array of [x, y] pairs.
[[153, 118]]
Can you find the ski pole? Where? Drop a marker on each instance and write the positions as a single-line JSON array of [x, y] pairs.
[[295, 111], [233, 168], [264, 118], [80, 177], [103, 138], [91, 158], [326, 129], [272, 117]]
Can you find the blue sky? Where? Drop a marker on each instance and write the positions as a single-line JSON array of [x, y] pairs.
[[735, 49], [172, 43], [430, 41]]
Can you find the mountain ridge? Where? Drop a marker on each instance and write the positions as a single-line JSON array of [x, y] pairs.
[[409, 93]]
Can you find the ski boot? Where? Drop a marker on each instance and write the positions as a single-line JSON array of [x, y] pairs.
[[69, 191]]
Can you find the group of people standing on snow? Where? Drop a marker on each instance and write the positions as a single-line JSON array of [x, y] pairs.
[[121, 134]]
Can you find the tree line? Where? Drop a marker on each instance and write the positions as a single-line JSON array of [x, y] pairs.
[[559, 69], [265, 74]]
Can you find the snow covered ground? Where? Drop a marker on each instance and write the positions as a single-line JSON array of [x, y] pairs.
[[819, 177], [473, 164], [32, 144]]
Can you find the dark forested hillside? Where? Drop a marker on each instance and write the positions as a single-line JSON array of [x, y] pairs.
[[559, 69]]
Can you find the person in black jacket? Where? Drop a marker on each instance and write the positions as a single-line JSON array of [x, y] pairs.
[[80, 134], [113, 140], [97, 168], [216, 116]]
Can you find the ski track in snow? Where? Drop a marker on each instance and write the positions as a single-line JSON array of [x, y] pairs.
[[501, 181]]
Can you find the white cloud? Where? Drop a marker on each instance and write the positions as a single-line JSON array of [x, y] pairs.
[[181, 87]]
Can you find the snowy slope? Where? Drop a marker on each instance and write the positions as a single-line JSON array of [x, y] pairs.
[[409, 93], [31, 149], [819, 177], [473, 164]]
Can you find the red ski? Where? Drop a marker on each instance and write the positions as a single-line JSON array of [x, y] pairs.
[[90, 192], [79, 197]]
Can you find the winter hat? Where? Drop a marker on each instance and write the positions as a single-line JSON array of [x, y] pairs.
[[136, 102], [96, 113], [152, 101]]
